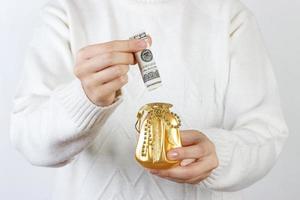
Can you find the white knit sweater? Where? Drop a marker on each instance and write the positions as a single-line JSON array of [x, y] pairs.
[[214, 69]]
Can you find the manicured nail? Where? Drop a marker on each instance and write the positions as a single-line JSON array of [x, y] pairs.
[[173, 154], [142, 43]]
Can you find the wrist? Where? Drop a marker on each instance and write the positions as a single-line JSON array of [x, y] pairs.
[[83, 112]]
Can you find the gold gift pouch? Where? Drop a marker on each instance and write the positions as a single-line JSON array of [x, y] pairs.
[[158, 129]]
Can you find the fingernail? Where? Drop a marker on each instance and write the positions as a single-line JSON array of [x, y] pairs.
[[172, 154], [142, 43]]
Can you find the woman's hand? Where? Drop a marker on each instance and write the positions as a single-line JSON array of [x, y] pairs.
[[102, 68], [198, 159]]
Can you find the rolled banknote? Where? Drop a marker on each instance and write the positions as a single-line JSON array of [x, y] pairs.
[[147, 64]]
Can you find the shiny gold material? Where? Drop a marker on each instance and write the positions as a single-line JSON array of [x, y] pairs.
[[158, 133]]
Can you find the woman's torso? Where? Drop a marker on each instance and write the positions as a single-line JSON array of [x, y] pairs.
[[190, 49]]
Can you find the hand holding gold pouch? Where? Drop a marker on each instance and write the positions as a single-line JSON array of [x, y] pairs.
[[158, 129]]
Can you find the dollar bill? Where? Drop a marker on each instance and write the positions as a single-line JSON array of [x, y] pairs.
[[147, 64]]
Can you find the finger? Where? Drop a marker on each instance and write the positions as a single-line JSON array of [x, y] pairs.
[[103, 61], [184, 173], [178, 173], [190, 137], [110, 73], [133, 45], [189, 152], [149, 40], [112, 86], [186, 162], [198, 179], [194, 180]]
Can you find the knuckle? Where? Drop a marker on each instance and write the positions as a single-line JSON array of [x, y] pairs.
[[128, 44], [109, 47], [109, 57], [193, 131], [181, 152], [215, 163], [130, 59], [199, 150], [87, 83], [95, 79], [81, 54], [194, 135], [198, 134], [77, 71]]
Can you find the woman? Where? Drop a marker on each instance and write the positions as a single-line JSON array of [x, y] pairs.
[[80, 92]]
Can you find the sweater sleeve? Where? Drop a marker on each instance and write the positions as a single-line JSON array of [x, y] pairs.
[[253, 131], [52, 117]]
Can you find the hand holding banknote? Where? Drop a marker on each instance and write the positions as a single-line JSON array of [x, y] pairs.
[[102, 68]]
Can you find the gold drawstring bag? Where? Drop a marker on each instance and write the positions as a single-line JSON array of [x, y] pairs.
[[158, 129]]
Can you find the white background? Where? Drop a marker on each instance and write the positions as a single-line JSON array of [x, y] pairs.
[[280, 24]]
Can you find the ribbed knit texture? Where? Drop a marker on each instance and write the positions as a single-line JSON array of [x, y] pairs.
[[214, 70], [82, 112]]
